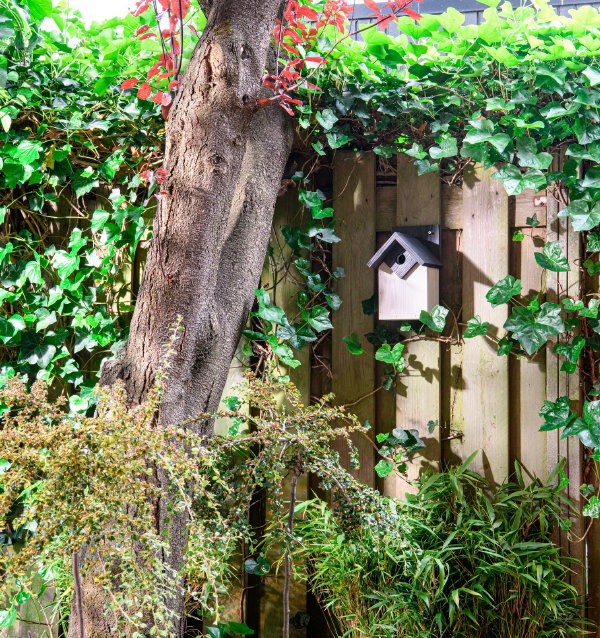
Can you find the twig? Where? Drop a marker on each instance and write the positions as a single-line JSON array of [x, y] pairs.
[[288, 558]]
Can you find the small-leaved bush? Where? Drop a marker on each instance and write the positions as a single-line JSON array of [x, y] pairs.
[[97, 495], [453, 561]]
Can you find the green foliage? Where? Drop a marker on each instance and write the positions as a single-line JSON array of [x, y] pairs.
[[68, 138], [436, 320], [87, 484], [453, 561]]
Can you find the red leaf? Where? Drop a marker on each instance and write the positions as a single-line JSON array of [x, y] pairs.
[[174, 84], [144, 91], [383, 24], [140, 7], [193, 29], [142, 29], [166, 99], [412, 14], [162, 76], [313, 86], [155, 70], [315, 58], [179, 7], [165, 112], [147, 35], [308, 12], [290, 48], [129, 84], [157, 99], [373, 6], [165, 4], [147, 176]]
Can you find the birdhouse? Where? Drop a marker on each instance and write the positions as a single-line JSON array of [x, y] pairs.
[[409, 272]]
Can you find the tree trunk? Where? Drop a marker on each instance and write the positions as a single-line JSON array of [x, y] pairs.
[[226, 159]]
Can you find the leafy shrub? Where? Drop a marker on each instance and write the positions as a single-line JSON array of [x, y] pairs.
[[90, 487], [453, 561]]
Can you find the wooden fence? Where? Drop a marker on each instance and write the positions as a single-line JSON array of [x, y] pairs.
[[483, 402]]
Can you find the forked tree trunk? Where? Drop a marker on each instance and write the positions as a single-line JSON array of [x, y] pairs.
[[226, 159]]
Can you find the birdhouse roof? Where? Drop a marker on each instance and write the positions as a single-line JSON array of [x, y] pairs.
[[423, 252]]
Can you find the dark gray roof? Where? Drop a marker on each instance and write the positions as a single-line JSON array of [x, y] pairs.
[[414, 251]]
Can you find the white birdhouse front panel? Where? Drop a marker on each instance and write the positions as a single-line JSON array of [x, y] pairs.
[[403, 299]]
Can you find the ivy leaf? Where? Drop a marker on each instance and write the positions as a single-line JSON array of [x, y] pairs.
[[436, 320], [593, 75], [8, 617], [45, 319], [353, 343], [318, 318], [531, 330], [592, 310], [39, 9], [593, 242], [571, 352], [322, 213], [504, 290], [65, 263], [337, 140], [527, 153], [391, 355], [552, 258], [518, 235], [556, 414], [592, 508], [311, 199], [476, 327], [326, 118], [32, 273], [257, 567], [239, 628], [27, 152], [584, 215], [533, 221], [505, 346], [273, 314], [587, 428], [85, 181], [447, 148], [384, 468], [42, 355]]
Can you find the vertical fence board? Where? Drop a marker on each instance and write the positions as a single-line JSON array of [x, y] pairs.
[[485, 374], [528, 378], [451, 423], [283, 276], [418, 399], [559, 383], [354, 201]]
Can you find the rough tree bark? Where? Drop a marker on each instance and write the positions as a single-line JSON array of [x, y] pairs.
[[226, 159]]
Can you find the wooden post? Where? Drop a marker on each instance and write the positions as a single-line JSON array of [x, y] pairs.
[[528, 377], [418, 202], [354, 376], [485, 374]]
